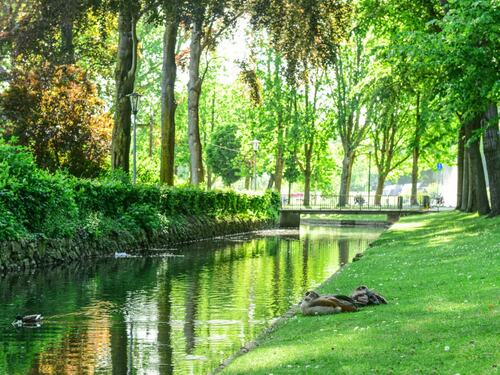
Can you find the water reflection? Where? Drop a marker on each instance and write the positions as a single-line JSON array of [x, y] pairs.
[[181, 315]]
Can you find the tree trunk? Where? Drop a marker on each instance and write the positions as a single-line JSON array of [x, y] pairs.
[[380, 188], [247, 182], [414, 176], [289, 191], [271, 182], [307, 179], [465, 179], [67, 45], [124, 79], [168, 104], [479, 193], [460, 167], [471, 196], [345, 178], [416, 156], [194, 92], [349, 175], [278, 170], [491, 146]]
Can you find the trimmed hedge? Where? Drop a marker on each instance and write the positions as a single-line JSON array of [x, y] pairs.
[[34, 203]]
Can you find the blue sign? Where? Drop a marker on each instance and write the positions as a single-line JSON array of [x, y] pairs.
[[439, 166]]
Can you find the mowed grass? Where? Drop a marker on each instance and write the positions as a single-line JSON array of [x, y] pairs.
[[440, 273]]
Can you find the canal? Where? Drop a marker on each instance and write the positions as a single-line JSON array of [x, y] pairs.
[[182, 311]]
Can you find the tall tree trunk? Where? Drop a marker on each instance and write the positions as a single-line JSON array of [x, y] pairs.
[[349, 175], [414, 176], [460, 167], [416, 156], [67, 45], [124, 78], [168, 103], [271, 181], [289, 191], [380, 188], [247, 182], [194, 92], [465, 178], [479, 193], [491, 147], [345, 178], [278, 170], [307, 177]]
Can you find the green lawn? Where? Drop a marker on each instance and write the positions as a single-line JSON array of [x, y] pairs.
[[441, 275]]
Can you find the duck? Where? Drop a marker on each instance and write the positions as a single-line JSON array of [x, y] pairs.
[[364, 296], [357, 257], [28, 320], [314, 304]]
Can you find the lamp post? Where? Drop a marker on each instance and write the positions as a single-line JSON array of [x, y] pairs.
[[255, 144], [134, 102], [369, 175]]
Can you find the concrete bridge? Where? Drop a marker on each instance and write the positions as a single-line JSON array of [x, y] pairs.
[[290, 217]]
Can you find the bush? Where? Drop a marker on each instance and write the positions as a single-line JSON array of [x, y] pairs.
[[56, 113], [36, 203], [31, 200]]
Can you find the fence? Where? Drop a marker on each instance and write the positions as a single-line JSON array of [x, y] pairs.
[[359, 201]]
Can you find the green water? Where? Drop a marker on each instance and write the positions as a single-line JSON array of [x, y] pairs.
[[180, 314]]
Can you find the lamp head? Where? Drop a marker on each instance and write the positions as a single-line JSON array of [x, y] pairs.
[[134, 102]]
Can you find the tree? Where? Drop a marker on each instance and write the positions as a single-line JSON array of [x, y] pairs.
[[350, 69], [126, 65], [208, 21], [388, 115], [223, 153], [55, 111]]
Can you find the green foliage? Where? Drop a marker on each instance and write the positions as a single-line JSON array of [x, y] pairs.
[[56, 113], [34, 202], [222, 153]]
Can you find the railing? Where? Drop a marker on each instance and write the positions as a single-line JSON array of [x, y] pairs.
[[359, 202]]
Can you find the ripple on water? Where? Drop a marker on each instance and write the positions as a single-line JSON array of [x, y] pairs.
[[180, 315]]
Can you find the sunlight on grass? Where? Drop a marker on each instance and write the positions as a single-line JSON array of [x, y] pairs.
[[439, 272]]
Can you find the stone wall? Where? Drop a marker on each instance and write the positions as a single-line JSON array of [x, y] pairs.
[[32, 253]]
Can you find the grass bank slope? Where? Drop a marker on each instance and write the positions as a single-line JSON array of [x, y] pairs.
[[440, 273]]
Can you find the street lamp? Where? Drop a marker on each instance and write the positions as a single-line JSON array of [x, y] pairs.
[[255, 144], [134, 103]]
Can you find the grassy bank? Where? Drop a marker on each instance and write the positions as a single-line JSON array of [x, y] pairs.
[[440, 275]]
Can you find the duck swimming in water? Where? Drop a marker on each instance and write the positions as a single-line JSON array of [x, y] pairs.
[[28, 320]]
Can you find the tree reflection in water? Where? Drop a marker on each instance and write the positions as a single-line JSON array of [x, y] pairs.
[[166, 315]]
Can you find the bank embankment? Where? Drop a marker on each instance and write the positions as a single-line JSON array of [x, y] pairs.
[[35, 252], [52, 218], [440, 275]]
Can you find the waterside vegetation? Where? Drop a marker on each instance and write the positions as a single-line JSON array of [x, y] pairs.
[[35, 204]]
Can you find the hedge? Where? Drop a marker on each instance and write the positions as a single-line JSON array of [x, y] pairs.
[[35, 203]]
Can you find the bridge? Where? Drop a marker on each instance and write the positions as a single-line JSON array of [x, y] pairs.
[[392, 206]]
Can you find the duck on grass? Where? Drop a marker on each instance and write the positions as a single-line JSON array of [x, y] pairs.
[[314, 304]]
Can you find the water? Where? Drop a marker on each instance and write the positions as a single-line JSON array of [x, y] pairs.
[[181, 314]]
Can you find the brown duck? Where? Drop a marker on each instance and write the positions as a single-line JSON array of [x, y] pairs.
[[314, 304]]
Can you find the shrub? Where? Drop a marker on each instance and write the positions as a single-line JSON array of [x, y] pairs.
[[32, 200], [55, 111]]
